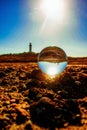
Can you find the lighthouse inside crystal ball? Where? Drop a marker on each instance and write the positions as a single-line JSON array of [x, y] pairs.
[[52, 60]]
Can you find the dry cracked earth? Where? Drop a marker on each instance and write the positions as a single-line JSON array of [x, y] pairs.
[[30, 100]]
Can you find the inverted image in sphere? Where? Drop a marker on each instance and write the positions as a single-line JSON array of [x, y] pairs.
[[52, 60]]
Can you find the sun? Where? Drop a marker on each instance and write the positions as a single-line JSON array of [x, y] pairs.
[[53, 9]]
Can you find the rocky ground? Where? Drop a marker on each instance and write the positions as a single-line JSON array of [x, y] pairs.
[[30, 100]]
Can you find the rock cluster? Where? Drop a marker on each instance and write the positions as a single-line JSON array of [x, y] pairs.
[[31, 100]]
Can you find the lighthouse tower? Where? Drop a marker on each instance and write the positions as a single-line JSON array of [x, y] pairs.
[[30, 47]]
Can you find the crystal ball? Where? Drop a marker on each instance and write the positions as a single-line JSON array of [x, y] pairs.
[[52, 60]]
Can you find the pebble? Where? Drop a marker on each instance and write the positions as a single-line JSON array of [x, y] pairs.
[[26, 99], [23, 112]]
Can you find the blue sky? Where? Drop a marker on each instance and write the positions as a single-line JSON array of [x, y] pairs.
[[21, 22]]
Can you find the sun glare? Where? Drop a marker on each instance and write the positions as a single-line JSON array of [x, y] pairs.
[[52, 70], [53, 9]]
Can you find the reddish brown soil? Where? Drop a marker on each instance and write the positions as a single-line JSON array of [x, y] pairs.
[[30, 100]]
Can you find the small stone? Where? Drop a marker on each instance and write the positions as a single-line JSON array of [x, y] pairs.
[[66, 124], [12, 100], [23, 112], [22, 76], [78, 83], [6, 103], [28, 126]]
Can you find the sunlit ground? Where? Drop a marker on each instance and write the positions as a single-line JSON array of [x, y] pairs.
[[28, 93]]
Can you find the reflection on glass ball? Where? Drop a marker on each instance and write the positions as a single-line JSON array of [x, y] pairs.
[[52, 60]]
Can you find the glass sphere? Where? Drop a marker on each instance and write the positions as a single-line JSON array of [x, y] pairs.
[[52, 60]]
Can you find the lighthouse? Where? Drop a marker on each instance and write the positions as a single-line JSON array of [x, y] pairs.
[[30, 47]]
